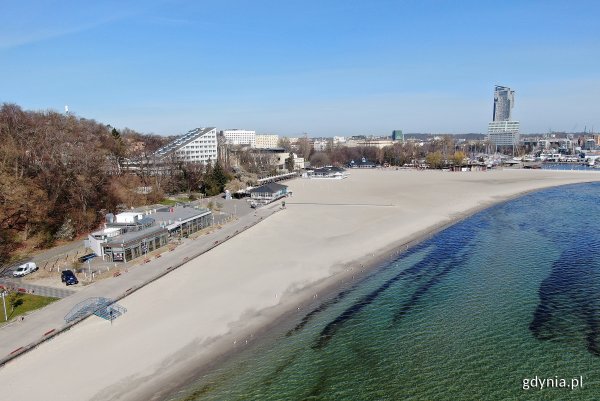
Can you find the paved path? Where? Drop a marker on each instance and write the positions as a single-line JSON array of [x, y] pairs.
[[49, 257], [38, 289], [19, 335]]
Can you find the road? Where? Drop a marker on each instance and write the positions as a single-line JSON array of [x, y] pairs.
[[26, 333], [49, 257]]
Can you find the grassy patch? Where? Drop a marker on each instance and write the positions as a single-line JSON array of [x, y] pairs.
[[18, 304], [168, 202]]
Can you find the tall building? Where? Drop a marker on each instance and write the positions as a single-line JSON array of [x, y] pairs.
[[397, 135], [266, 141], [502, 131], [504, 100], [197, 146], [239, 137]]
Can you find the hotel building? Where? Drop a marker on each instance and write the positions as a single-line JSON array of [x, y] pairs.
[[197, 146]]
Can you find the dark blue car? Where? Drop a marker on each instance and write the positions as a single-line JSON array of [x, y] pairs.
[[68, 277]]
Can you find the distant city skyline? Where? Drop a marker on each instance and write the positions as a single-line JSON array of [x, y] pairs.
[[325, 68]]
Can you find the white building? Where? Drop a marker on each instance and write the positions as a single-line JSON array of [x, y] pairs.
[[281, 157], [267, 141], [320, 145], [197, 146], [239, 137], [503, 133], [370, 141]]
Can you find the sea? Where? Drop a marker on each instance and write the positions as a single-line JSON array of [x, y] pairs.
[[569, 167], [504, 305]]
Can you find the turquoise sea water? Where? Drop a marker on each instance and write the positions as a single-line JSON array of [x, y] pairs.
[[508, 294]]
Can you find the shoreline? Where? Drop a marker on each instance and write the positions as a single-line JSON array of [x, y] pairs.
[[288, 319], [253, 285]]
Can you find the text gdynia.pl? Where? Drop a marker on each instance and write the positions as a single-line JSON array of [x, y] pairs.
[[540, 383]]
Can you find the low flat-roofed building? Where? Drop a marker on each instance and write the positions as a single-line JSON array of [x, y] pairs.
[[182, 220], [134, 244], [268, 193], [97, 238], [362, 163], [327, 172], [129, 235]]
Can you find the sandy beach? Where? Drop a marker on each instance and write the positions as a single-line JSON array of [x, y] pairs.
[[215, 302]]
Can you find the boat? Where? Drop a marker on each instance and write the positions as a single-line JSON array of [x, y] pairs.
[[532, 165]]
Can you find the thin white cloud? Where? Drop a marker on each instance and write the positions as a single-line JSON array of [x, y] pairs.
[[17, 39], [25, 24]]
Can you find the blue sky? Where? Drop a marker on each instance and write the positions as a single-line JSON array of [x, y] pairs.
[[288, 67]]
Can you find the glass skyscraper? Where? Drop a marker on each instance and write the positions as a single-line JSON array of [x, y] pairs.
[[504, 100]]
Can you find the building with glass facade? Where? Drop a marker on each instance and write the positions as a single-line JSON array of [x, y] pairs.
[[504, 101], [130, 235]]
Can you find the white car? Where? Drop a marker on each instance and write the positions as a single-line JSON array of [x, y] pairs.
[[25, 269]]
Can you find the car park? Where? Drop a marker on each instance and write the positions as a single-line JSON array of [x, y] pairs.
[[25, 269], [68, 277]]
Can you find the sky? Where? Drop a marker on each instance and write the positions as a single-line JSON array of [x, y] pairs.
[[289, 67]]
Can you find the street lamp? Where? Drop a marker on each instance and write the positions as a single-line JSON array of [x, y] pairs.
[[3, 295]]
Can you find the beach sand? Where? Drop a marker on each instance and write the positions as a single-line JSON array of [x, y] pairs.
[[214, 303]]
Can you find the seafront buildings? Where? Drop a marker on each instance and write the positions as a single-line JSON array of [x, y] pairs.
[[261, 154]]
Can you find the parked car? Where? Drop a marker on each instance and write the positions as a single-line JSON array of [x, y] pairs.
[[25, 269], [87, 257], [68, 277]]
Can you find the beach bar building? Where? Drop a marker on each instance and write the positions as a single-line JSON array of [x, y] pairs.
[[337, 173], [182, 220], [268, 193], [134, 244], [130, 235]]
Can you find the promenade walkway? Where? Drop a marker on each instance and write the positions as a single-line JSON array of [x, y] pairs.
[[19, 336], [37, 289]]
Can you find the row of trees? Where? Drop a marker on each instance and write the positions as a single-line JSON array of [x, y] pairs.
[[52, 175], [434, 153], [59, 175]]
